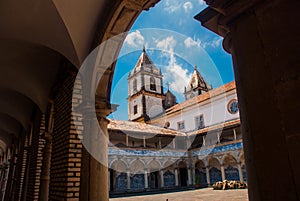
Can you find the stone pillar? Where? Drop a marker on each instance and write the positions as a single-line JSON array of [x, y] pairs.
[[174, 143], [189, 177], [128, 180], [94, 171], [144, 141], [234, 134], [127, 143], [109, 181], [161, 178], [207, 176], [45, 176], [146, 179], [240, 172], [176, 177], [159, 142], [223, 172], [193, 175], [204, 142], [263, 38]]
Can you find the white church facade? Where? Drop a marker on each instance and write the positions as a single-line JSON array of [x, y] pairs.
[[167, 145]]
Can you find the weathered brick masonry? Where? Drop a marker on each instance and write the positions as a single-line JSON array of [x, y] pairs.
[[66, 150]]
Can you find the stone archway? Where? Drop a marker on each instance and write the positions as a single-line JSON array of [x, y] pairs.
[[231, 168], [137, 175], [200, 174], [154, 168], [183, 174], [215, 174], [118, 176]]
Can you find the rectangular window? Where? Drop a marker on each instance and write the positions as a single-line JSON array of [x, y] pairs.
[[135, 109], [180, 125], [199, 122]]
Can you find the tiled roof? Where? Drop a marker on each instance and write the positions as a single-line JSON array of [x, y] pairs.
[[212, 93], [138, 127], [215, 127]]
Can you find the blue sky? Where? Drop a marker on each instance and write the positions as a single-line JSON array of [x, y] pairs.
[[175, 42]]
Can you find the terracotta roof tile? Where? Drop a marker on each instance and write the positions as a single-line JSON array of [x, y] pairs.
[[139, 127]]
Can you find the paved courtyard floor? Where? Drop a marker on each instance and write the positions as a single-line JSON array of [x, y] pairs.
[[206, 194]]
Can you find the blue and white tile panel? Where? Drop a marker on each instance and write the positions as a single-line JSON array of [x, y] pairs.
[[129, 152], [218, 149]]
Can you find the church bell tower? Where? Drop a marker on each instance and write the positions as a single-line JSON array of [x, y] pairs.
[[145, 91]]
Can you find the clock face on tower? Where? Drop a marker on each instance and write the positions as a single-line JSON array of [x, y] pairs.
[[233, 106]]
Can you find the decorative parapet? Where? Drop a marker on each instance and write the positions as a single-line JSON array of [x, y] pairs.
[[217, 149], [158, 153]]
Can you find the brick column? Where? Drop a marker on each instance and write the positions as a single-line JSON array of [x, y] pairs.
[[35, 159], [21, 169], [66, 144], [4, 180], [45, 177]]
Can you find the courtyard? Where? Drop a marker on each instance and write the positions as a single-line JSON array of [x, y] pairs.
[[206, 194]]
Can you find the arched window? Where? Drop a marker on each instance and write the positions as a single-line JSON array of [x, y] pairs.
[[152, 84], [134, 85]]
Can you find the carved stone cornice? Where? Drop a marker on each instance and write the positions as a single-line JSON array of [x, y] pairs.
[[221, 13], [125, 15]]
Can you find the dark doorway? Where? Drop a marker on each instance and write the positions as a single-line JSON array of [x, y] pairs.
[[111, 180], [154, 180], [183, 176]]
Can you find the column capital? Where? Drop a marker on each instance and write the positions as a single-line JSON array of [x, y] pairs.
[[221, 13], [103, 107], [227, 43]]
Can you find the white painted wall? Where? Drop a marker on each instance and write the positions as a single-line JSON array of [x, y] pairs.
[[153, 106], [214, 112], [130, 84], [136, 101]]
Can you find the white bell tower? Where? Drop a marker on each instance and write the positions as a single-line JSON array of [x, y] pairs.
[[145, 91]]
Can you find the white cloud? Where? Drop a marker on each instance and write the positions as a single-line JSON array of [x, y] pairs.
[[176, 75], [172, 6], [189, 42], [166, 44], [135, 39], [214, 43], [202, 2], [187, 6]]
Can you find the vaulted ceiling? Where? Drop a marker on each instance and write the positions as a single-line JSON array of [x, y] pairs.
[[36, 36]]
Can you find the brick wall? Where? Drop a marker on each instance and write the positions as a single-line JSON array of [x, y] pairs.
[[20, 169], [66, 149], [35, 160]]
